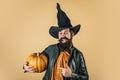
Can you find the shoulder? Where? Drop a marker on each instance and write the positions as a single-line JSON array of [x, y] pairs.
[[51, 47], [77, 52]]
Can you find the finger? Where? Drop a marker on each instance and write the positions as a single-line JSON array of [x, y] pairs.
[[29, 71], [28, 68], [26, 63], [67, 66], [63, 73], [24, 66]]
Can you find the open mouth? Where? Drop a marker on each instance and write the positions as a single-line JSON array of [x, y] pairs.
[[64, 40]]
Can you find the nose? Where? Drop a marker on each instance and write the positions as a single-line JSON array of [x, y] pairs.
[[63, 35]]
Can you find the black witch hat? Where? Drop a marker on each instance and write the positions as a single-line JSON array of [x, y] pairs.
[[63, 23]]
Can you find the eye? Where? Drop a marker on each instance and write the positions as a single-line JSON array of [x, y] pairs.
[[66, 32], [60, 33]]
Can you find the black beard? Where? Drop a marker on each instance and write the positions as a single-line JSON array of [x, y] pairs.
[[65, 46]]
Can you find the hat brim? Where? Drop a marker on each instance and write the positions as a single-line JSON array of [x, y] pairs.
[[53, 31]]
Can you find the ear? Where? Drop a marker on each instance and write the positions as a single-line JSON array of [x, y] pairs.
[[72, 34]]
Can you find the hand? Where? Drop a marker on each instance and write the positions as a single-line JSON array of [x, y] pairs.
[[66, 72], [28, 68]]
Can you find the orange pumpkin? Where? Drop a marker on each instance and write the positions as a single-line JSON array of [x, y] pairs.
[[37, 61]]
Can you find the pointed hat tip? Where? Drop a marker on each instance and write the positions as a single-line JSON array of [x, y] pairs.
[[58, 6]]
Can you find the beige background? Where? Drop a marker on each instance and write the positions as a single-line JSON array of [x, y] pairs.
[[24, 26]]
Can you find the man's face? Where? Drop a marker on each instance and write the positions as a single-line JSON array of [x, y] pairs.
[[64, 35]]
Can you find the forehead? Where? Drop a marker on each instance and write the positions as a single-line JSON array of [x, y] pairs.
[[65, 30]]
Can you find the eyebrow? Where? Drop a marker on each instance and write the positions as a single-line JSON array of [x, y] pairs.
[[67, 31]]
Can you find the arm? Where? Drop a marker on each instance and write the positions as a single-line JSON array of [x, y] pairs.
[[82, 70]]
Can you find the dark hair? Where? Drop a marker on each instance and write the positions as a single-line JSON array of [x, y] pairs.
[[71, 31]]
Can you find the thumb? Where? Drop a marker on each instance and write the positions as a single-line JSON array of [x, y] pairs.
[[67, 66]]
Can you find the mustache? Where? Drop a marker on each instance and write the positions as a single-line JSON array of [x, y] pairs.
[[65, 46], [63, 38]]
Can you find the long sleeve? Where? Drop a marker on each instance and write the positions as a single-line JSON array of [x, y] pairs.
[[82, 71]]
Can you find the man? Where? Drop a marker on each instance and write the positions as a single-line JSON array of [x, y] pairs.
[[65, 62]]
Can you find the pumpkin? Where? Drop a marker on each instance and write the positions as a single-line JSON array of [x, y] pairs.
[[38, 61]]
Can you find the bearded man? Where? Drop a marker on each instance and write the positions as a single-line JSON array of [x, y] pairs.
[[65, 62]]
